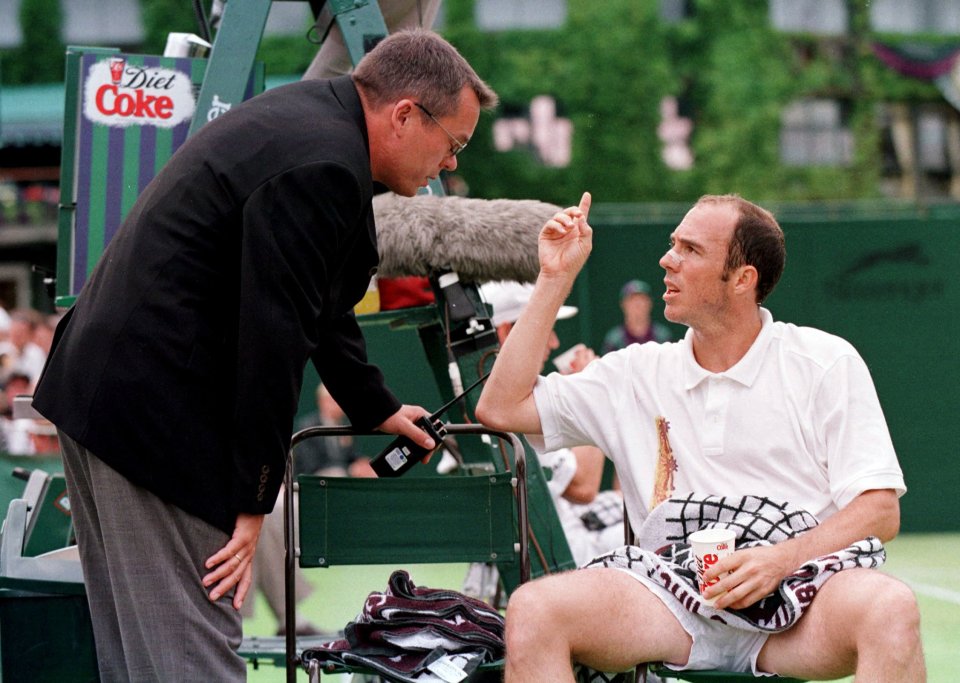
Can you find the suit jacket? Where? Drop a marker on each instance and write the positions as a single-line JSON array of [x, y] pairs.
[[181, 363]]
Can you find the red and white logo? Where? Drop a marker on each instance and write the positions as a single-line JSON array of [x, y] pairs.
[[117, 93], [116, 69]]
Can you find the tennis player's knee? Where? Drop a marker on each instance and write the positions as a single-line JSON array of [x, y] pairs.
[[529, 604], [531, 614], [892, 620]]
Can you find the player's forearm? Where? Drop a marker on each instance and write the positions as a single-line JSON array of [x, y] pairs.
[[872, 513], [507, 399], [564, 244]]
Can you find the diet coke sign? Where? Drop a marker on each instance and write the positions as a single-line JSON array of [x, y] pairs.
[[117, 93]]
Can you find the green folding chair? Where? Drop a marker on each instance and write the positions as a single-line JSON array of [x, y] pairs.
[[437, 519], [549, 550]]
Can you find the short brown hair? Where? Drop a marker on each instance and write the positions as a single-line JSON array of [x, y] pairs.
[[419, 63], [757, 241]]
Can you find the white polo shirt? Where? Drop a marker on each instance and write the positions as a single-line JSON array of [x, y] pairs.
[[797, 419]]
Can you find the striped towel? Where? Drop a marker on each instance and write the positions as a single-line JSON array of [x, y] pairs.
[[417, 635]]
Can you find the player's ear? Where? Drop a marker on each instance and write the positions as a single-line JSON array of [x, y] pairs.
[[746, 279]]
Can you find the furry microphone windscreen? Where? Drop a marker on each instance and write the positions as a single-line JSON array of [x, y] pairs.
[[480, 239]]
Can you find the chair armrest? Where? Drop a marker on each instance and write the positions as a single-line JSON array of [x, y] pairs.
[[56, 572]]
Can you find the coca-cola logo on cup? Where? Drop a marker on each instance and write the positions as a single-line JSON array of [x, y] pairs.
[[703, 564], [117, 93]]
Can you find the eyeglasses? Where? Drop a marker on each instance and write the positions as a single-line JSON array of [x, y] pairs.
[[457, 146]]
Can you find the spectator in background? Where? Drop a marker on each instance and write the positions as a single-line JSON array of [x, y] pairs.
[[43, 333], [333, 456], [4, 325], [4, 344], [637, 327], [43, 437], [16, 433], [22, 355]]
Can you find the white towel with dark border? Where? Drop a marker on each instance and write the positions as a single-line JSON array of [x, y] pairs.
[[664, 556]]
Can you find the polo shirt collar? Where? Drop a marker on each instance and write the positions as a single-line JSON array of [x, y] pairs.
[[746, 369]]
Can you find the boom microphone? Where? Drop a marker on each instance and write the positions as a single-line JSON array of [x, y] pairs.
[[479, 239]]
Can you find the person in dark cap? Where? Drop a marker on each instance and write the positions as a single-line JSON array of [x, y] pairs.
[[637, 327]]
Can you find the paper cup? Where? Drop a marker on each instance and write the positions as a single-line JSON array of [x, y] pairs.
[[709, 546], [564, 361]]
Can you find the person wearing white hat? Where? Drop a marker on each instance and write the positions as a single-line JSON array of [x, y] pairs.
[[591, 519], [509, 298]]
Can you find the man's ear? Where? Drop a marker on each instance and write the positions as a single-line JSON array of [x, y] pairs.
[[747, 279], [402, 114]]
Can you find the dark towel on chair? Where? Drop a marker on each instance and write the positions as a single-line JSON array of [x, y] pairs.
[[406, 632]]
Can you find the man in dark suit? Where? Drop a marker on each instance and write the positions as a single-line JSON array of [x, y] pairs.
[[175, 378]]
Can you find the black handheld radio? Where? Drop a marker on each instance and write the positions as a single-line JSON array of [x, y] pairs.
[[403, 453]]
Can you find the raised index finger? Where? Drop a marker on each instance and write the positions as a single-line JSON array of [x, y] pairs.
[[585, 201]]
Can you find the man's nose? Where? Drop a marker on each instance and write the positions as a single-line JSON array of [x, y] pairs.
[[670, 260]]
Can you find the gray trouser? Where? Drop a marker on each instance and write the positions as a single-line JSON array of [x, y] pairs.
[[143, 564], [332, 58]]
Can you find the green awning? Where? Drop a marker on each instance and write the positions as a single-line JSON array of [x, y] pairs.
[[31, 115]]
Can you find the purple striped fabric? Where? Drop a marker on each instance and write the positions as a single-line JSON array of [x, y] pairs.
[[922, 64]]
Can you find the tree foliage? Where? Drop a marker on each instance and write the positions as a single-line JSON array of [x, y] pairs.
[[608, 67], [39, 57], [605, 69], [286, 55], [161, 17]]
